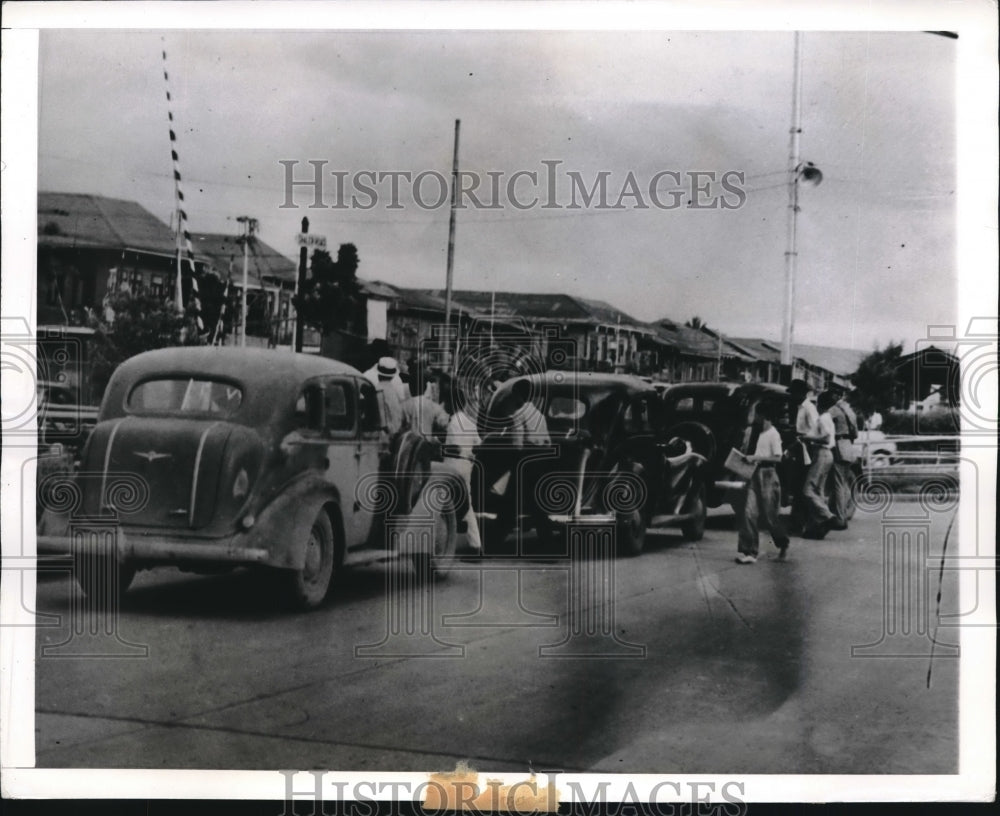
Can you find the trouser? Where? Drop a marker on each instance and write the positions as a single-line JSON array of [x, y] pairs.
[[761, 502], [464, 469], [841, 480], [814, 492]]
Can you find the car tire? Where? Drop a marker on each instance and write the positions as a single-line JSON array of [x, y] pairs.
[[437, 565], [306, 589], [95, 575], [694, 530], [630, 533]]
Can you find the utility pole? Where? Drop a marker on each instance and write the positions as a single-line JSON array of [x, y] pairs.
[[300, 284], [249, 230], [451, 240], [788, 324]]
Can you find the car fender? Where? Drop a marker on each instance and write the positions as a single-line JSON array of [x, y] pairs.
[[283, 525]]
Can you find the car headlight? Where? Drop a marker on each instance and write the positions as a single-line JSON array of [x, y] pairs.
[[241, 486]]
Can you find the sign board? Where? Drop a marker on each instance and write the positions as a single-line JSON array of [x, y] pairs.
[[311, 241]]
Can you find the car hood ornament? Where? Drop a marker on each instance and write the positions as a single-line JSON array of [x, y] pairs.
[[152, 455]]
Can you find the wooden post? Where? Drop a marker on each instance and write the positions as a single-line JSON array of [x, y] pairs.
[[301, 284]]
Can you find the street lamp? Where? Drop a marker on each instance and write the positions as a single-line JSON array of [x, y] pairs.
[[799, 172]]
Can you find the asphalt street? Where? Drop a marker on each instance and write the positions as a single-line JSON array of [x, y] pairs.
[[679, 660]]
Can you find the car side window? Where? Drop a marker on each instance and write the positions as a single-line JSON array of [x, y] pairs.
[[309, 409], [338, 408], [637, 417], [684, 404], [370, 419]]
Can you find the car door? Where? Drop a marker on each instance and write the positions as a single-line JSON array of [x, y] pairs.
[[366, 453]]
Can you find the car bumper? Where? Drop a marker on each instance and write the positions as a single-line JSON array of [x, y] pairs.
[[162, 549]]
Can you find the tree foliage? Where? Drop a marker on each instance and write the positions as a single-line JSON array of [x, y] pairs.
[[135, 322], [875, 379], [331, 299]]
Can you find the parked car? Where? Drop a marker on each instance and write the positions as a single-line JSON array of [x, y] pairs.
[[253, 457], [608, 461], [873, 449], [716, 417]]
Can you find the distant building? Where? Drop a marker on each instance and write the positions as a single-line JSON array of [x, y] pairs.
[[271, 279], [90, 244], [927, 378]]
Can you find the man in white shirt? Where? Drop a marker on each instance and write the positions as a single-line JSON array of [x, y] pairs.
[[806, 423], [423, 411], [763, 492], [819, 519]]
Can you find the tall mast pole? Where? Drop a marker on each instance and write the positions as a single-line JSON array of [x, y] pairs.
[[788, 325], [451, 238]]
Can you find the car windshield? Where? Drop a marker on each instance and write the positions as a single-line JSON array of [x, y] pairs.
[[187, 395]]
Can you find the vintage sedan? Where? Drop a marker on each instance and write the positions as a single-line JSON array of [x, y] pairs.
[[565, 448], [716, 417], [252, 457]]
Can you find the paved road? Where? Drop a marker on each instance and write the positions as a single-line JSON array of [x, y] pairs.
[[712, 667]]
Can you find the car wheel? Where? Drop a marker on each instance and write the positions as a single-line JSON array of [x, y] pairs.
[[630, 533], [306, 588], [438, 564], [97, 574], [694, 530]]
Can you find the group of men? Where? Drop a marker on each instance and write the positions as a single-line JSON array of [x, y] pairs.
[[427, 404], [822, 459]]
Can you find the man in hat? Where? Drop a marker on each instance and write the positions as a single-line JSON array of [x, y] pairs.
[[390, 404]]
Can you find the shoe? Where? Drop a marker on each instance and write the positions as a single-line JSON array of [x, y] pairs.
[[815, 533], [743, 558], [836, 524]]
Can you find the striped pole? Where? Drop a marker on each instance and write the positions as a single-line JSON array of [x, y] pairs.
[[220, 324], [182, 227]]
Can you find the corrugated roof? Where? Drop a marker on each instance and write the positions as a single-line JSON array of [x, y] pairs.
[[840, 361], [843, 362], [81, 219], [226, 251]]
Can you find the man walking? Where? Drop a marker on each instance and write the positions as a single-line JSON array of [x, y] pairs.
[[845, 425], [762, 499], [819, 519]]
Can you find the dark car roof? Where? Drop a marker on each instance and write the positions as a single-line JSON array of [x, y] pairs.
[[264, 373], [721, 388], [551, 380]]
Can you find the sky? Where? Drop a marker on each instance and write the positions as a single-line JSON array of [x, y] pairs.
[[876, 240]]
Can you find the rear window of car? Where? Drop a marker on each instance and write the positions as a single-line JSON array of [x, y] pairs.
[[185, 395]]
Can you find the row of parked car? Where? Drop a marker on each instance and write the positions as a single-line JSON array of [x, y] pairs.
[[209, 458]]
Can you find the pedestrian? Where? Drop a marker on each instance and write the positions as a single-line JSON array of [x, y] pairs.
[[806, 423], [819, 519], [389, 363], [422, 410], [845, 425], [762, 496], [390, 404], [461, 440], [528, 425]]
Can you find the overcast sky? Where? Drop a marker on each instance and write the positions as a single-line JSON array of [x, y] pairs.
[[876, 242]]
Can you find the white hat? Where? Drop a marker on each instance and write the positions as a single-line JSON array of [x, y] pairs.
[[387, 368]]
